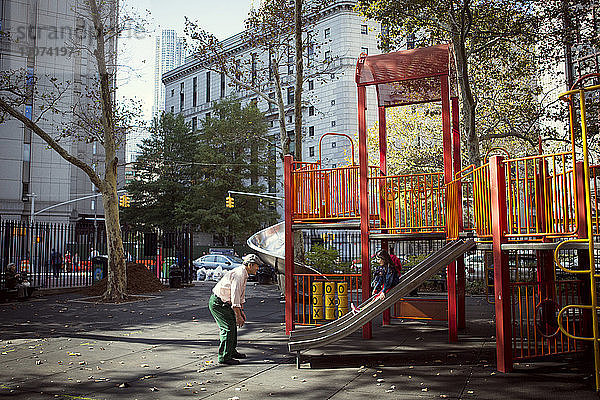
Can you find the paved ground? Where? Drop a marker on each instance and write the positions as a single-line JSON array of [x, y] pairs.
[[165, 348]]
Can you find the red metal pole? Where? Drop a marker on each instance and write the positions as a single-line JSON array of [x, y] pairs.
[[289, 245], [460, 261], [451, 269], [364, 203], [501, 276], [383, 169]]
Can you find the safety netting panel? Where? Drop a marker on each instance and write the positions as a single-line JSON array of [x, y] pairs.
[[409, 76]]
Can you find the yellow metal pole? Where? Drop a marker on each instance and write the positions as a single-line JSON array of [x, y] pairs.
[[588, 212]]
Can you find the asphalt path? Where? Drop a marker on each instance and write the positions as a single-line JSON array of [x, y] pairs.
[[165, 347]]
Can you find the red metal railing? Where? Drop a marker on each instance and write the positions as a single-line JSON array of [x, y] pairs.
[[303, 283], [595, 198], [408, 203]]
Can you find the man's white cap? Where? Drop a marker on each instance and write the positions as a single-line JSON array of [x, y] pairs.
[[251, 258]]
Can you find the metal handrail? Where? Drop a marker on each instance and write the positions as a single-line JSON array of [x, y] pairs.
[[337, 134]]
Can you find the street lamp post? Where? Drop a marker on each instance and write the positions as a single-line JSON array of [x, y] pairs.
[[32, 196]]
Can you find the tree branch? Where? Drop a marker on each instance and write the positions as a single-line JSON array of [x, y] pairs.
[[52, 143]]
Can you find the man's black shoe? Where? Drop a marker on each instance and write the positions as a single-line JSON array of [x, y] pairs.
[[239, 355], [231, 361]]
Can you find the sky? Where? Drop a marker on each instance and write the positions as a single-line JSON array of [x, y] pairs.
[[136, 51], [223, 18]]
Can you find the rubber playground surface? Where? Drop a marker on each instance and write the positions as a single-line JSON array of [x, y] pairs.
[[164, 347]]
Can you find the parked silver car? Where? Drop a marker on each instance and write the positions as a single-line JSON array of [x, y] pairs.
[[212, 261]]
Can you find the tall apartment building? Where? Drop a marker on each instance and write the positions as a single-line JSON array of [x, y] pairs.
[[169, 53], [41, 36], [342, 36]]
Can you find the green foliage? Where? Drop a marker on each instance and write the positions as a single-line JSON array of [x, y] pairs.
[[323, 259], [165, 173], [235, 155], [501, 48], [183, 177]]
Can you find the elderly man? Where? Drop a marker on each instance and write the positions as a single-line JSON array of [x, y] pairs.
[[226, 306]]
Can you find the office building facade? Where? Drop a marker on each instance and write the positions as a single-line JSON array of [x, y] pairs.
[[42, 38], [340, 35]]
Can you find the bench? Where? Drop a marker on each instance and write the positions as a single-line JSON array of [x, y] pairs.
[[13, 294]]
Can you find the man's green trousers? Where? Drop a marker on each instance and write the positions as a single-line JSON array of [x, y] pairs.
[[225, 317]]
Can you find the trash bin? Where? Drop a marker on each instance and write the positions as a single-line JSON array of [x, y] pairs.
[[175, 276], [99, 268]]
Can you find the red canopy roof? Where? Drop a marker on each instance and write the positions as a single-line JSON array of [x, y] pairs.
[[409, 76]]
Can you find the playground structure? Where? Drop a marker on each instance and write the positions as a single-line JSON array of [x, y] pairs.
[[540, 204]]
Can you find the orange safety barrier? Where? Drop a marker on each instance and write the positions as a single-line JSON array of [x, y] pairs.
[[325, 193], [535, 328], [303, 301], [474, 186], [541, 196], [408, 203]]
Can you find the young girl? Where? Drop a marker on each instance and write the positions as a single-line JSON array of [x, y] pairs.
[[386, 276]]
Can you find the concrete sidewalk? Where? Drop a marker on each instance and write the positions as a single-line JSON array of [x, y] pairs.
[[165, 348]]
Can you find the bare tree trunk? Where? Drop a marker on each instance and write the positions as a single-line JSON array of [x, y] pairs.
[[285, 140], [299, 79], [468, 100], [117, 278], [117, 275]]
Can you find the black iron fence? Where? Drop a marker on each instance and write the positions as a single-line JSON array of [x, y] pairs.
[[37, 248]]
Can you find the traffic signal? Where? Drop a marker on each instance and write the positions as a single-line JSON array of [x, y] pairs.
[[229, 202], [124, 201]]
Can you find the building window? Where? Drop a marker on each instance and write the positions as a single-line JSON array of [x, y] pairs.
[[93, 205], [194, 124], [332, 124], [327, 32], [333, 102], [222, 85], [272, 97], [311, 151], [195, 92], [364, 30], [364, 50], [290, 119], [253, 68], [311, 84], [328, 55], [208, 86], [311, 131], [333, 145], [333, 165], [311, 111], [181, 97], [95, 148], [172, 92], [207, 116], [172, 109], [290, 95]]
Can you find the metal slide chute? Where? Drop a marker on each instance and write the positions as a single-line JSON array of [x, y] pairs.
[[269, 245], [309, 338]]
